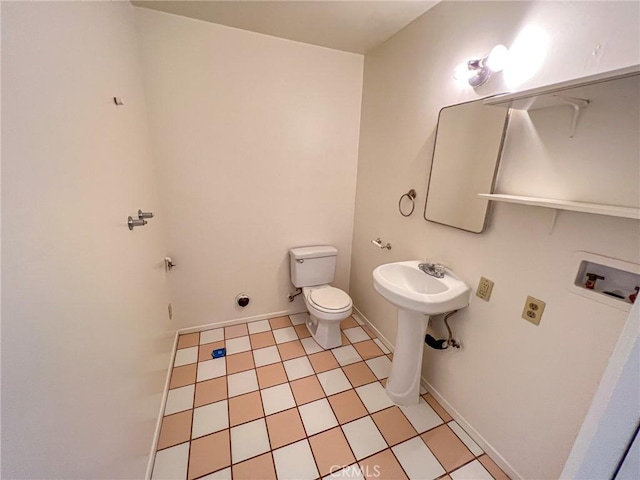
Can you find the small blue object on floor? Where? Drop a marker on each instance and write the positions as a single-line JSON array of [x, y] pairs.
[[219, 352]]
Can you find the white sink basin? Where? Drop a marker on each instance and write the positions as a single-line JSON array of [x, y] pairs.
[[417, 295], [407, 287]]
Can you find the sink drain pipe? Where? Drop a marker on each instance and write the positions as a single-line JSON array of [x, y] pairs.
[[443, 344]]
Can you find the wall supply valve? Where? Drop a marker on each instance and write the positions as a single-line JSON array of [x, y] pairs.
[[592, 278], [135, 223]]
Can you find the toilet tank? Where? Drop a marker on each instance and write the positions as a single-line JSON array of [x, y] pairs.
[[312, 266]]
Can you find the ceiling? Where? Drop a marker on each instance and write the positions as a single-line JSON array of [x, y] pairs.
[[354, 26]]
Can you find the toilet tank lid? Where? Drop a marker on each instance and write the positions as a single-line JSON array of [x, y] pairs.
[[313, 252]]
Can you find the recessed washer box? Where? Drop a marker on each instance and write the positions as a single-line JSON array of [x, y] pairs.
[[620, 277]]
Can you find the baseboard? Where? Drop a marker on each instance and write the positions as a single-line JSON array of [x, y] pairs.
[[228, 323], [163, 403], [472, 432]]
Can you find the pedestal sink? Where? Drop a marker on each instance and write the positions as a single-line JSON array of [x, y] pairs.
[[417, 295]]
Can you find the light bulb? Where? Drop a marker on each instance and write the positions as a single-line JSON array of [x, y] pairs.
[[526, 56], [498, 58], [463, 73]]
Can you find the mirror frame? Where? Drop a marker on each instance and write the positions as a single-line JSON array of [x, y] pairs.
[[495, 165]]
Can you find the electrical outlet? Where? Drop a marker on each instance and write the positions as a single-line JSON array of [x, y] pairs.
[[170, 308], [533, 309], [485, 287]]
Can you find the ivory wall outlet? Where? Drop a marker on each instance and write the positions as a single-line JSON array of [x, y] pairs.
[[485, 287], [533, 309]]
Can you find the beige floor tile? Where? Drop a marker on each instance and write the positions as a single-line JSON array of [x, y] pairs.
[[291, 350], [185, 375], [249, 440], [210, 391], [245, 408], [285, 428], [175, 429], [205, 350], [359, 373], [306, 390], [437, 407], [302, 331], [447, 447], [239, 362], [331, 450], [285, 335], [345, 340], [279, 322], [382, 466], [347, 406], [295, 461], [271, 375], [189, 340], [495, 471], [236, 331], [241, 383], [209, 454], [263, 339], [356, 334], [323, 361], [185, 356], [393, 425], [212, 335], [368, 349], [348, 322], [260, 467]]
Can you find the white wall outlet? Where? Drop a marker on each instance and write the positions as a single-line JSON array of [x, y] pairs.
[[485, 287], [533, 309]]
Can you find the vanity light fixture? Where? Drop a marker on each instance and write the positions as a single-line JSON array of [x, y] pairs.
[[477, 72]]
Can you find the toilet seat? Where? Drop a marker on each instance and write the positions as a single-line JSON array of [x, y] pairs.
[[330, 299]]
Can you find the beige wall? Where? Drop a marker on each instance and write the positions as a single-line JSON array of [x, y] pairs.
[[524, 389], [256, 144], [85, 335]]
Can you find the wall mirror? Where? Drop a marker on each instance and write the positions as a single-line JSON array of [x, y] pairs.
[[469, 139]]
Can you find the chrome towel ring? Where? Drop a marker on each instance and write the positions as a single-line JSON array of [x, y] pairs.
[[411, 195]]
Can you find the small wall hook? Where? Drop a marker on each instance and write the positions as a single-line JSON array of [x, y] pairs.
[[118, 101]]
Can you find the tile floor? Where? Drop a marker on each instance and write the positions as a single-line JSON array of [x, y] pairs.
[[279, 406]]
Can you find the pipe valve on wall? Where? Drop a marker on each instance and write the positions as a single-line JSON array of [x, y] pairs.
[[140, 221]]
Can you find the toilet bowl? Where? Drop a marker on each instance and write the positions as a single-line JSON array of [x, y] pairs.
[[327, 307], [312, 268]]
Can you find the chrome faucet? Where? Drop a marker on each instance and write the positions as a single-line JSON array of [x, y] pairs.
[[434, 269]]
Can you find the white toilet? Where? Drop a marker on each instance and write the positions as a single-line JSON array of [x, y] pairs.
[[312, 268]]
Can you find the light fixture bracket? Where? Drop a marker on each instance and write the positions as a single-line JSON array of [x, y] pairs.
[[482, 72]]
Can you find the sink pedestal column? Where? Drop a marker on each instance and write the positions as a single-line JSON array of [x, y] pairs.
[[403, 385]]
